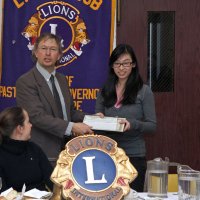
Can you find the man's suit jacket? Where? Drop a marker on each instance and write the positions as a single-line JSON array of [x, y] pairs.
[[35, 96]]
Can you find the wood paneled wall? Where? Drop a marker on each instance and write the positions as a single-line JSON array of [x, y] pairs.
[[178, 112]]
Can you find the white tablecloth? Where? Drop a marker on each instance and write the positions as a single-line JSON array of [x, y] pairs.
[[131, 195]]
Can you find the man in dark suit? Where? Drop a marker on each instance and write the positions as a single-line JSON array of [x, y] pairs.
[[49, 102]]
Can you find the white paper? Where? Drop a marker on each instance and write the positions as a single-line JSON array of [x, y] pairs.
[[35, 193], [6, 192], [105, 123]]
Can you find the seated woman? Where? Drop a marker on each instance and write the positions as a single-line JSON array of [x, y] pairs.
[[21, 161]]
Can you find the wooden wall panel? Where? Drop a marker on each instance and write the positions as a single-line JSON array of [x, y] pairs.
[[178, 112]]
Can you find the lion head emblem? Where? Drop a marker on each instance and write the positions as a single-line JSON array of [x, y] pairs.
[[81, 37], [30, 32], [71, 28]]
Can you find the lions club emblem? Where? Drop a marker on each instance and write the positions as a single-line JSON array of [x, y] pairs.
[[92, 167], [63, 19]]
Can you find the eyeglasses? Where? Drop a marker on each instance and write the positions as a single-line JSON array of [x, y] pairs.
[[51, 49], [126, 65]]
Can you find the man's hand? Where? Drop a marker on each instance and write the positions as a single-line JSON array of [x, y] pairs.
[[81, 129]]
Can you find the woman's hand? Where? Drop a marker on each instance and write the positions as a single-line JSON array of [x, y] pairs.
[[126, 123], [101, 115]]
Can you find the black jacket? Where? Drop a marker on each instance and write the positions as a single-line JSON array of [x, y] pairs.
[[24, 162]]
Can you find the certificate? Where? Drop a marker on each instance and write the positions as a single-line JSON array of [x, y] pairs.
[[105, 123]]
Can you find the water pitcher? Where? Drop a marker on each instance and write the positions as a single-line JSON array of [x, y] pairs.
[[157, 177], [188, 183]]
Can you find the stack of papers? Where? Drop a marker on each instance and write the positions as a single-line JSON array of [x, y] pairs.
[[105, 123], [35, 193], [5, 193]]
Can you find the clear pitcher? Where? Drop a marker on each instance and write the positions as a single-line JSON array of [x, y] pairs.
[[157, 177], [188, 183]]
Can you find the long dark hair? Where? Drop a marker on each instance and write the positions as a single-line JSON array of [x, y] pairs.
[[10, 118], [133, 84]]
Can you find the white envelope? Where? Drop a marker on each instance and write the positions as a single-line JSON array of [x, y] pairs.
[[105, 123], [35, 193]]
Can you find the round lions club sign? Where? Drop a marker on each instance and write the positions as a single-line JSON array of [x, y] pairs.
[[92, 167]]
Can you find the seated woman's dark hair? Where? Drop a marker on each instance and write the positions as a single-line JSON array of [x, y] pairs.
[[10, 118]]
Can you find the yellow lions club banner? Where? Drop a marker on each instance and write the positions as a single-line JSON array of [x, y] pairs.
[[86, 28]]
